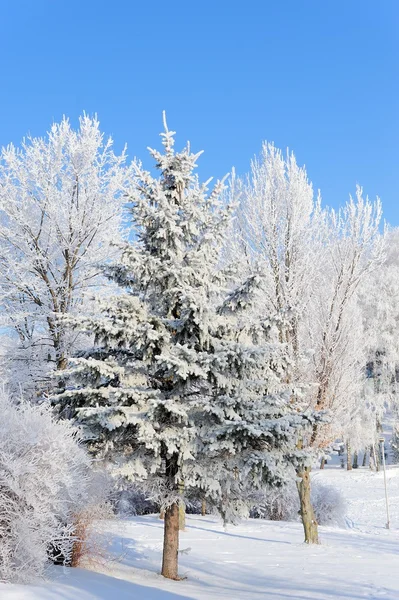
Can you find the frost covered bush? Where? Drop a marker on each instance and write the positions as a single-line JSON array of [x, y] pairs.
[[282, 504], [133, 500], [44, 483], [328, 504], [277, 504]]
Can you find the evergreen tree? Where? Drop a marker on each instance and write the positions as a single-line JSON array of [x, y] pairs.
[[184, 383], [248, 428]]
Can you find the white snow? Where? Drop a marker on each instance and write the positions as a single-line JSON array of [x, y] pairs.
[[253, 561]]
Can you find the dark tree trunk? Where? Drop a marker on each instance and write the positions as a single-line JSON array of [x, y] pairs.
[[322, 463], [203, 507], [171, 542], [306, 509], [364, 458]]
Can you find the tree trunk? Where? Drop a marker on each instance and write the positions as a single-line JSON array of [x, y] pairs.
[[322, 463], [171, 542], [182, 508], [348, 457], [203, 507], [162, 514], [355, 461], [306, 509], [374, 462], [364, 458]]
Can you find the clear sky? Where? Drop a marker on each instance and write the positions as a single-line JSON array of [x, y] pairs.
[[319, 76]]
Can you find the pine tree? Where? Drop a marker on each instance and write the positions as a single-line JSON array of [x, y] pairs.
[[248, 427], [183, 384]]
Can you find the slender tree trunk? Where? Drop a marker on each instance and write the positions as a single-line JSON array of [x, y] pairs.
[[322, 463], [306, 509], [348, 457], [171, 542], [364, 458], [355, 461], [203, 507], [375, 462], [162, 515]]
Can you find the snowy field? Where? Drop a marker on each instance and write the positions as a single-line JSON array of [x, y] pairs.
[[256, 560]]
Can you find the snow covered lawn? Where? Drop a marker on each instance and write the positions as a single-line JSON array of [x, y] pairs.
[[256, 560]]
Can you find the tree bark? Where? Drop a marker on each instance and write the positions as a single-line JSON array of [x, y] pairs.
[[322, 463], [375, 460], [203, 507], [171, 542], [162, 514], [364, 458], [182, 508], [348, 457], [306, 509]]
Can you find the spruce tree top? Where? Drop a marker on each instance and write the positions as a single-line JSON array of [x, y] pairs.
[[134, 390]]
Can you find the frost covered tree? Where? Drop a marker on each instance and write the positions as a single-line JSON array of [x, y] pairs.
[[44, 482], [60, 211], [378, 303], [278, 229], [311, 262], [251, 425], [178, 380], [355, 248]]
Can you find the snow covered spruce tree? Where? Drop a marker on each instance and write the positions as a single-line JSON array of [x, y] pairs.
[[160, 393], [251, 425], [60, 210], [137, 387]]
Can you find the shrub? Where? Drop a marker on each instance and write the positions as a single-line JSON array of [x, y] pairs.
[[132, 500], [282, 504], [328, 504], [44, 483], [277, 504]]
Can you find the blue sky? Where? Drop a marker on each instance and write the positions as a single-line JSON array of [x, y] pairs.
[[319, 76]]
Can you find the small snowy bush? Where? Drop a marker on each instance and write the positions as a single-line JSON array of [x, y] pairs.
[[44, 484], [328, 504], [282, 504], [277, 504], [132, 500]]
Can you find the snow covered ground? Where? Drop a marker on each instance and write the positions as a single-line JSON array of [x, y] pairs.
[[256, 560]]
